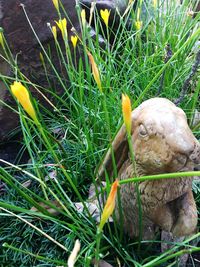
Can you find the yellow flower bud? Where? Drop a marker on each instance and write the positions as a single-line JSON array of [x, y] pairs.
[[42, 58], [138, 25], [74, 40], [95, 71], [55, 2], [105, 16], [54, 31], [83, 17], [62, 25], [1, 39], [22, 95], [110, 205], [138, 22], [126, 110]]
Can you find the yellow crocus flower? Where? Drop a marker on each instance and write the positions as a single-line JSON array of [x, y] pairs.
[[74, 40], [110, 205], [126, 110], [54, 31], [95, 71], [83, 17], [22, 95], [56, 4], [105, 14], [62, 25]]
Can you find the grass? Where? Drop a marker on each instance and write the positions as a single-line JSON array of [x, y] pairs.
[[67, 146]]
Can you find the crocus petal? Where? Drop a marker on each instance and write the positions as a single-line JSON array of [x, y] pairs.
[[62, 25], [54, 31], [74, 40], [83, 17], [42, 58], [95, 71], [1, 39], [110, 205], [22, 95], [55, 2], [126, 110], [105, 14]]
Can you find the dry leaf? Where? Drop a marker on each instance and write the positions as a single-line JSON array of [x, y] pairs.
[[51, 175], [103, 263], [196, 118], [48, 208], [27, 183], [73, 256]]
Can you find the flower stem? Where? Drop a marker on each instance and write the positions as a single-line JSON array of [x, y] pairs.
[[159, 176], [98, 241]]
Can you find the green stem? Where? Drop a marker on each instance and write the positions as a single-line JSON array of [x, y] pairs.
[[160, 176], [57, 262], [177, 254], [170, 251], [98, 241]]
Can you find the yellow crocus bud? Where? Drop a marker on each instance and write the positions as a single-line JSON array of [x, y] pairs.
[[95, 71], [1, 40], [62, 25], [42, 58], [74, 40], [138, 22], [56, 4], [83, 17], [54, 31], [105, 16], [126, 110], [22, 95], [110, 205], [138, 25]]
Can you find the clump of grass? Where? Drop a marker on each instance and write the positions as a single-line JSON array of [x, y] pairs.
[[71, 138]]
